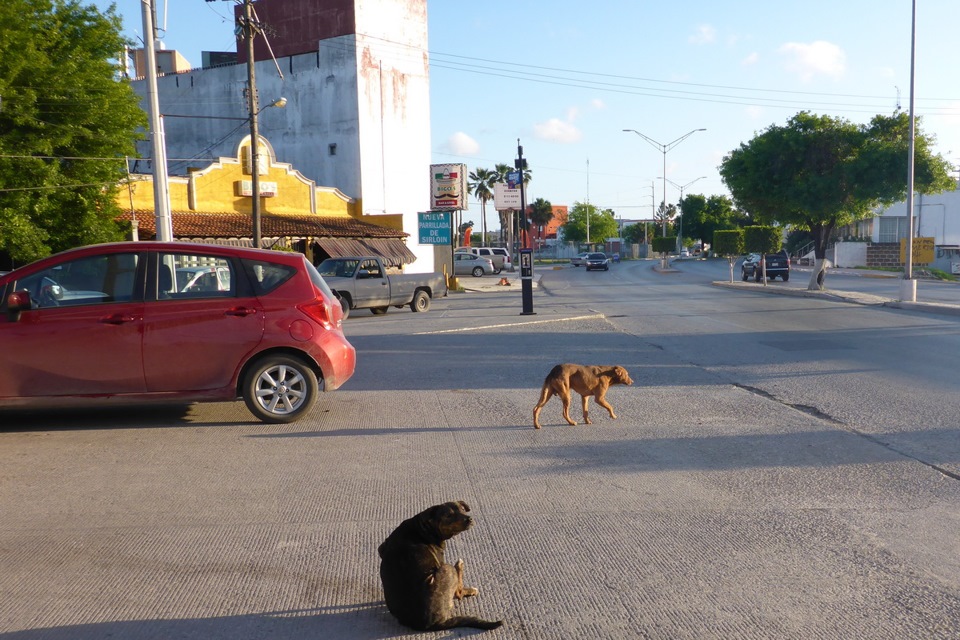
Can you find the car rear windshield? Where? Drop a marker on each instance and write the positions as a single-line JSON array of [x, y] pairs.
[[318, 280]]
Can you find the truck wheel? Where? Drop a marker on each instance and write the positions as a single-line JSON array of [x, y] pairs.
[[743, 275], [785, 276], [421, 302], [477, 272], [280, 389], [378, 311], [345, 305], [758, 276]]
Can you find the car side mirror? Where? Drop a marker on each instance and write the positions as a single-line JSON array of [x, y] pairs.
[[363, 274], [16, 302]]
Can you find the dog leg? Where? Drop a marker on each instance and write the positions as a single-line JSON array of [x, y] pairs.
[[606, 405], [545, 395], [586, 413], [565, 397], [462, 591]]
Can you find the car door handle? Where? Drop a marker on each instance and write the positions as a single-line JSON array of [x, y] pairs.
[[240, 311], [119, 318]]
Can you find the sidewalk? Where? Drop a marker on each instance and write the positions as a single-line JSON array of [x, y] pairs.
[[492, 283]]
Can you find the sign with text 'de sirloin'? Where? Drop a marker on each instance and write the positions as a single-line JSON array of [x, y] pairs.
[[434, 227], [448, 187]]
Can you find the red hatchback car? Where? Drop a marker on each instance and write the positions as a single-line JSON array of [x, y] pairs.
[[113, 322]]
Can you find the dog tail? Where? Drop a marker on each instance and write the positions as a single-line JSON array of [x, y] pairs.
[[466, 621]]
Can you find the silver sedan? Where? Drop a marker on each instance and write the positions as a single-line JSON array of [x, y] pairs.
[[469, 264]]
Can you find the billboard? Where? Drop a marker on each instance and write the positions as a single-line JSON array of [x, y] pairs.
[[448, 187], [505, 197]]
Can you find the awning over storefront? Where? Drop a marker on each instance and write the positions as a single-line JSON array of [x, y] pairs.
[[337, 236]]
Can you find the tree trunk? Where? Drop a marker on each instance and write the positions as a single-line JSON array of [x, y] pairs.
[[821, 237]]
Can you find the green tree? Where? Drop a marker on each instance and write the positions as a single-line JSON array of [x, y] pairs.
[[763, 240], [729, 243], [602, 224], [541, 213], [664, 245], [481, 186], [819, 173], [703, 217], [665, 212], [637, 233], [66, 125]]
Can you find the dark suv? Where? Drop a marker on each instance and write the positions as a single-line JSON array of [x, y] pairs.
[[778, 264]]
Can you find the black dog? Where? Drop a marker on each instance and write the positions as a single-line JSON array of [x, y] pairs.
[[418, 585]]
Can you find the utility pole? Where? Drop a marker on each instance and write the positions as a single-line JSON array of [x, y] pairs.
[[161, 187], [249, 32]]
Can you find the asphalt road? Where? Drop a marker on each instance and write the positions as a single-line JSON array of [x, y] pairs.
[[783, 467]]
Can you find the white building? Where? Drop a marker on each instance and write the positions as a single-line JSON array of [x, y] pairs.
[[355, 75]]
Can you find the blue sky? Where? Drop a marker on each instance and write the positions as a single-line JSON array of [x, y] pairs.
[[567, 78]]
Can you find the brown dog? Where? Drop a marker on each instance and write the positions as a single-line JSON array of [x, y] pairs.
[[419, 586], [585, 380]]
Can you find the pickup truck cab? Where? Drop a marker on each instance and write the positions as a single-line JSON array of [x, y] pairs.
[[362, 282]]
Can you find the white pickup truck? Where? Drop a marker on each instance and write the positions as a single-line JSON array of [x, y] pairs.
[[362, 282]]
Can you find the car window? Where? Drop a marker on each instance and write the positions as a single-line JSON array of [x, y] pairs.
[[194, 275], [88, 280], [267, 276]]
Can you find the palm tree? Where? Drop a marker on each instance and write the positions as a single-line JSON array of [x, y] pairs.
[[541, 213], [482, 187]]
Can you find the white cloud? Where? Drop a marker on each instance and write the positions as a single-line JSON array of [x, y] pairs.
[[557, 130], [705, 34], [461, 144], [751, 59], [598, 104], [816, 58], [754, 112], [573, 113]]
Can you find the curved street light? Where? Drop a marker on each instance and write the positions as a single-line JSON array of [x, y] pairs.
[[663, 149]]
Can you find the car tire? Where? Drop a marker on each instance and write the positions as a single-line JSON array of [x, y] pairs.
[[743, 275], [345, 306], [280, 389], [785, 277], [757, 275], [379, 311], [606, 268], [496, 272], [421, 302], [477, 272]]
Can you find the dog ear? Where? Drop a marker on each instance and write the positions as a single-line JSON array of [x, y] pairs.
[[463, 505]]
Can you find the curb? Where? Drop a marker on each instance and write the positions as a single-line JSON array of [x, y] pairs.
[[852, 297]]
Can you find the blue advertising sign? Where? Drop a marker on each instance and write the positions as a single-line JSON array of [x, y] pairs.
[[434, 227]]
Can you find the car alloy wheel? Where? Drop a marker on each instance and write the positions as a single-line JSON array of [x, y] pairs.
[[280, 389]]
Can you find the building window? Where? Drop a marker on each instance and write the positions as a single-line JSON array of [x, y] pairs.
[[333, 148], [892, 228]]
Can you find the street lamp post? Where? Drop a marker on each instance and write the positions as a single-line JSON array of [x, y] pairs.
[[682, 187], [663, 149]]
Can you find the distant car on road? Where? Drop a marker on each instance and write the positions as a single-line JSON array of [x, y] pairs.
[[580, 259], [597, 261], [469, 264], [778, 264]]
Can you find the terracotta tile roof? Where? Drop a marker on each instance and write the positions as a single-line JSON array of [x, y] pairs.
[[239, 225]]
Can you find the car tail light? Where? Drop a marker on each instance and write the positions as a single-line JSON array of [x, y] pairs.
[[321, 311]]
